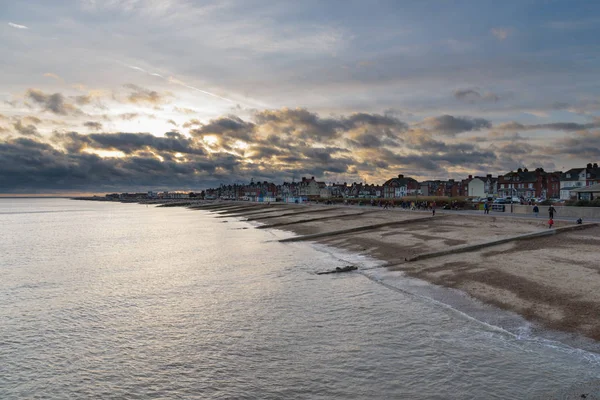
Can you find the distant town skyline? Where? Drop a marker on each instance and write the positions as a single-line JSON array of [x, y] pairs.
[[101, 96]]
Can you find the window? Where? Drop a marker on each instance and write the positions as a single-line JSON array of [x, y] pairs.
[[568, 175], [531, 186]]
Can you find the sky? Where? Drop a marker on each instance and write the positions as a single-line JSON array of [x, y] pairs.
[[117, 95]]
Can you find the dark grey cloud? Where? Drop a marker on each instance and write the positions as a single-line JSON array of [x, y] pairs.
[[92, 125], [450, 125], [365, 140], [424, 164], [28, 165], [54, 103], [301, 123], [130, 143], [26, 130], [263, 152], [279, 143], [472, 96], [441, 154], [555, 126], [371, 120], [582, 146], [223, 125], [229, 127], [519, 149]]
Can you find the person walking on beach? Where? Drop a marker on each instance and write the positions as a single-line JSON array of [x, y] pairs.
[[433, 209], [551, 212], [536, 210], [550, 223], [486, 207]]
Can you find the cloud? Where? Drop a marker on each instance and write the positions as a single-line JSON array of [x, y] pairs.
[[83, 100], [555, 126], [53, 76], [229, 127], [272, 145], [449, 125], [170, 121], [583, 145], [92, 125], [303, 124], [184, 110], [26, 130], [54, 103], [473, 96], [141, 95], [130, 143], [192, 122], [17, 26], [129, 116], [32, 120], [500, 33]]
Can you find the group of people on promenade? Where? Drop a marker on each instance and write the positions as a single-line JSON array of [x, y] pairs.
[[406, 205], [431, 206], [551, 212]]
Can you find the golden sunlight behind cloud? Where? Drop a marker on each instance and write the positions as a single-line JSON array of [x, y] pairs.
[[105, 153]]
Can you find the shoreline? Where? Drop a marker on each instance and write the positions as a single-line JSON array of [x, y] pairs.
[[537, 279], [552, 283]]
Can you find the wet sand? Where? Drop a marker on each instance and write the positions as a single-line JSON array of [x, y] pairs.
[[551, 280]]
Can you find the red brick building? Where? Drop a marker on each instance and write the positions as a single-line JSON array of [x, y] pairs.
[[527, 184], [399, 187]]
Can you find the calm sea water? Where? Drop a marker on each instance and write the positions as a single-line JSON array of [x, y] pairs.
[[101, 300]]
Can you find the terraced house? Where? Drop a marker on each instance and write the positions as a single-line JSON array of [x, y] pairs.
[[578, 178], [529, 184], [399, 187]]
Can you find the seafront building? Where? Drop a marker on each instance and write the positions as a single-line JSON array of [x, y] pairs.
[[523, 184], [578, 178]]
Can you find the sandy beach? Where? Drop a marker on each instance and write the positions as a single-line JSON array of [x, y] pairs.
[[551, 280]]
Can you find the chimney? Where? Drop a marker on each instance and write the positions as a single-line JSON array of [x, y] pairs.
[[400, 176], [470, 176], [312, 178]]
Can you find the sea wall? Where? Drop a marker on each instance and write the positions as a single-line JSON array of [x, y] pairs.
[[561, 212]]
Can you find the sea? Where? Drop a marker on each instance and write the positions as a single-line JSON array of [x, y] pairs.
[[103, 300]]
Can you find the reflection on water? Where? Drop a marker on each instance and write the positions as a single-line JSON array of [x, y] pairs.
[[124, 301]]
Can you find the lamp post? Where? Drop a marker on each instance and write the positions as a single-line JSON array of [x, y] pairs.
[[511, 199]]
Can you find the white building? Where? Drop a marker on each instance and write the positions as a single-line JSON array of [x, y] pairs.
[[310, 187], [476, 188], [571, 180]]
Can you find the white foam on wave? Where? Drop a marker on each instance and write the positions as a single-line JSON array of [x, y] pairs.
[[374, 269]]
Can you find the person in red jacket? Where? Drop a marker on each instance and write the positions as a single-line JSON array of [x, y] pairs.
[[550, 223]]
